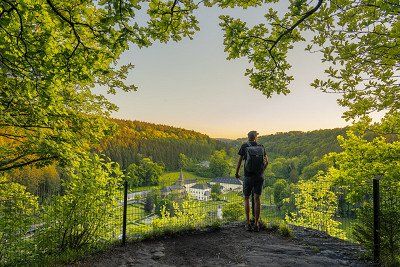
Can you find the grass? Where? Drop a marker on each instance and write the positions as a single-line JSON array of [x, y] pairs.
[[272, 215], [135, 212], [169, 178], [346, 225], [279, 226], [144, 188], [275, 217], [232, 196]]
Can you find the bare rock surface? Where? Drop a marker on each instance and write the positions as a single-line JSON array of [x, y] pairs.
[[233, 246]]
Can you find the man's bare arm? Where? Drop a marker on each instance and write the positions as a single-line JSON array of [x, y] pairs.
[[266, 162], [238, 167]]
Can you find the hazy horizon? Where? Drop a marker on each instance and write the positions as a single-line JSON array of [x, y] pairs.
[[191, 85], [231, 138]]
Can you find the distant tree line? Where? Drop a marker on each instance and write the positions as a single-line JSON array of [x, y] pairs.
[[135, 140], [312, 144]]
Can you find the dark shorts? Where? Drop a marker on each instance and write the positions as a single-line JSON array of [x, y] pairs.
[[254, 184]]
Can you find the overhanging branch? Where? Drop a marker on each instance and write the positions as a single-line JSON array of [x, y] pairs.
[[297, 23], [22, 164]]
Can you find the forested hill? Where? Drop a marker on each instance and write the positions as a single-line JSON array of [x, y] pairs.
[[135, 139], [163, 143], [313, 144]]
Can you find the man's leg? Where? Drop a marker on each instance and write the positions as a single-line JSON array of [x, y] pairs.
[[247, 209], [257, 190], [247, 188], [252, 205], [257, 208]]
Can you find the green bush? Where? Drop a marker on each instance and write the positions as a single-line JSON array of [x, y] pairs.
[[185, 217], [84, 218], [233, 211], [389, 226], [145, 173], [316, 206], [280, 227], [280, 192], [17, 210], [285, 230], [272, 226]]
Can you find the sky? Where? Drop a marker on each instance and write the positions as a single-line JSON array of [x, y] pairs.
[[191, 85]]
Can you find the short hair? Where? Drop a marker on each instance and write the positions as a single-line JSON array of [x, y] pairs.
[[252, 134]]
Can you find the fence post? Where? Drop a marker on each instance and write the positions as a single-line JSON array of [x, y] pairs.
[[124, 212], [376, 206]]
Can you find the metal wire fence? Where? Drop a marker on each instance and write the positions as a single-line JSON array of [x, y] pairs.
[[54, 224], [385, 210], [136, 214], [374, 221], [180, 207]]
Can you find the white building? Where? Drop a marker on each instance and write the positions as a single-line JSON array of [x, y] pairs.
[[188, 184], [204, 164], [180, 186], [228, 184], [200, 192]]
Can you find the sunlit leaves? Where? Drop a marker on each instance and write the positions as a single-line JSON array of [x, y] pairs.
[[253, 43], [171, 20], [53, 53], [17, 210], [235, 3], [85, 214], [145, 173], [316, 205], [358, 40]]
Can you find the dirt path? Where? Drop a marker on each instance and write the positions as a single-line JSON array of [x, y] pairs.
[[233, 246]]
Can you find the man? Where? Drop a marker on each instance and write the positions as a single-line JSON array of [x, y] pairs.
[[256, 161]]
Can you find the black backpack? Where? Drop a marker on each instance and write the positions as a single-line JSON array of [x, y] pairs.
[[254, 159]]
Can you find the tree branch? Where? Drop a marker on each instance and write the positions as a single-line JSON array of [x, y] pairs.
[[18, 165], [297, 23], [71, 23]]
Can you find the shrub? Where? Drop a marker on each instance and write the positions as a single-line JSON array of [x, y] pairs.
[[166, 204], [140, 231], [145, 173], [85, 216], [233, 211], [272, 226], [17, 210], [149, 203], [316, 206], [280, 192], [389, 227], [185, 218], [280, 227], [285, 230], [216, 191]]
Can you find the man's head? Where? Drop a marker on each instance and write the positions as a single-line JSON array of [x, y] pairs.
[[252, 135]]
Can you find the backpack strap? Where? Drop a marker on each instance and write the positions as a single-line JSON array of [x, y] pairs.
[[249, 143]]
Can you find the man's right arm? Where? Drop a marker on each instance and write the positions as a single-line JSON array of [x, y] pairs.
[[266, 162], [238, 166]]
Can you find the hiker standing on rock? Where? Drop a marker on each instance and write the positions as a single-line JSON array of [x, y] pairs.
[[255, 162]]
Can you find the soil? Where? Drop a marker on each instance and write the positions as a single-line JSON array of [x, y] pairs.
[[233, 246]]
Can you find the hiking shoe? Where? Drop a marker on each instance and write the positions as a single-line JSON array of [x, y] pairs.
[[256, 228], [248, 228]]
